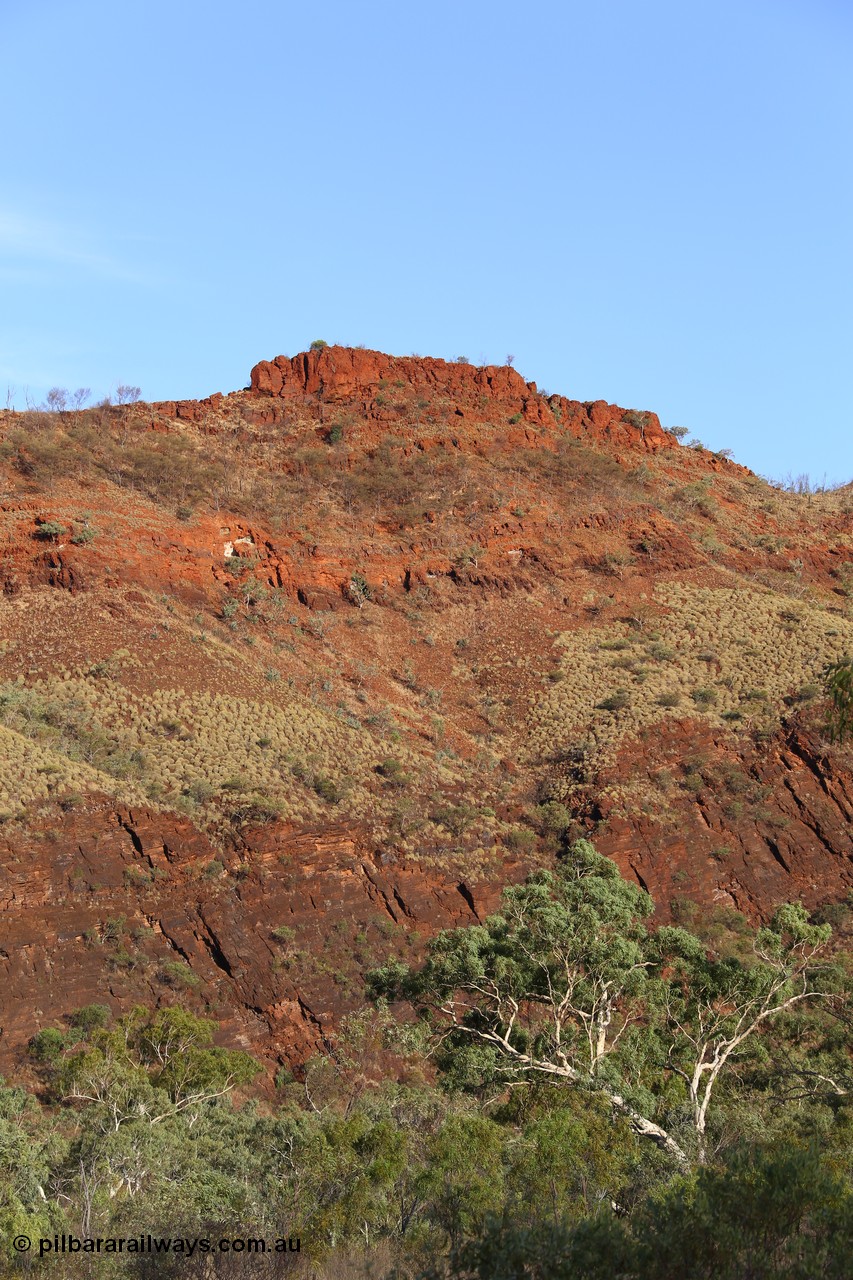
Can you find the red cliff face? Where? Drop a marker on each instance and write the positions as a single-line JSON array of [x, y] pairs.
[[372, 379], [121, 907]]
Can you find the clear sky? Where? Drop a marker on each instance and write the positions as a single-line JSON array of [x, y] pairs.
[[645, 201]]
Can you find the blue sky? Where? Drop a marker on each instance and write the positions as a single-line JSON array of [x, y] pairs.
[[648, 203]]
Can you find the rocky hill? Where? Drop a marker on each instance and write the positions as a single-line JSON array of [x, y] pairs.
[[292, 677]]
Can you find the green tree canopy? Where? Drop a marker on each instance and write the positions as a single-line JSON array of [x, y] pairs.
[[567, 982]]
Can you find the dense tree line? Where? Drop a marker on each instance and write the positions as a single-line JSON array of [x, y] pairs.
[[561, 1091]]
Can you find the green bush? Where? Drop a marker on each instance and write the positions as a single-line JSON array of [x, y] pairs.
[[522, 839], [668, 699], [552, 818], [236, 783], [455, 817], [48, 1044], [616, 701], [327, 789], [50, 530], [838, 679], [178, 974], [200, 791], [359, 589], [807, 692], [393, 772], [91, 1017]]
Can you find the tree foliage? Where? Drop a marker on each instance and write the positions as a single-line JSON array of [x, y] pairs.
[[567, 982], [839, 686], [779, 1215], [149, 1066]]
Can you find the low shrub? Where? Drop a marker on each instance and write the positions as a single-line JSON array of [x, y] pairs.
[[616, 701], [50, 530]]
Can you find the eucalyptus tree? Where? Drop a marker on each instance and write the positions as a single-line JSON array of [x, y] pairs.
[[150, 1066], [714, 1007], [567, 982]]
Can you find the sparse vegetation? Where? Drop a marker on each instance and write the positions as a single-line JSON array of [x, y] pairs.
[[85, 733], [757, 661]]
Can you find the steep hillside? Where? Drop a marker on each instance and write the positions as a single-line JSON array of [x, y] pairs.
[[292, 677]]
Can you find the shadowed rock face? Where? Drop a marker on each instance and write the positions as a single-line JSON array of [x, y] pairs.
[[783, 833], [289, 678], [126, 907]]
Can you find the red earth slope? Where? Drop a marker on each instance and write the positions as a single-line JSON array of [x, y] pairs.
[[291, 678]]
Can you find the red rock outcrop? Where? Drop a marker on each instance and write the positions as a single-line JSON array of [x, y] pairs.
[[761, 824], [124, 907], [370, 378]]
